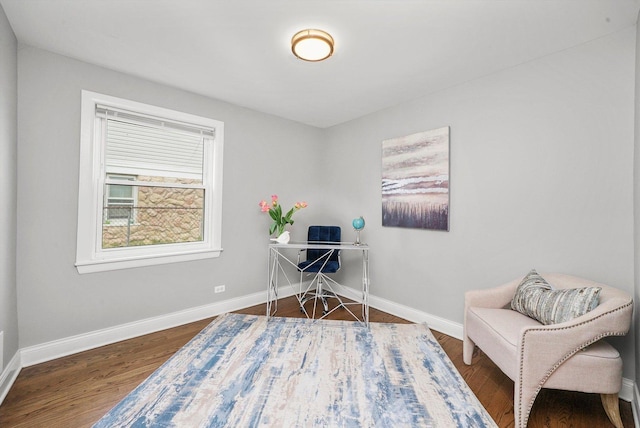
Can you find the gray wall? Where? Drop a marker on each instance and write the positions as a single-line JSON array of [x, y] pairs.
[[636, 181], [263, 155], [8, 187], [541, 177]]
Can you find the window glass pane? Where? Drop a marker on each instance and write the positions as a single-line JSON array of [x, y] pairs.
[[163, 215], [153, 152], [117, 191]]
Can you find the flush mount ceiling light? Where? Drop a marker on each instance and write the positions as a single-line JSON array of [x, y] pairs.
[[312, 45]]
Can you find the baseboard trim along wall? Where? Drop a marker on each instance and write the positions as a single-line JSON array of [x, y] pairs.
[[635, 405], [31, 355], [9, 375], [627, 394], [60, 348], [434, 322], [442, 325]]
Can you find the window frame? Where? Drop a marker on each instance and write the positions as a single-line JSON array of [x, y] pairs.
[[90, 257]]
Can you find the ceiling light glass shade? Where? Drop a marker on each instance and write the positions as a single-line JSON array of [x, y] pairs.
[[312, 45]]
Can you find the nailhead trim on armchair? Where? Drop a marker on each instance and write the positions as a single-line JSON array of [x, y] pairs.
[[525, 417]]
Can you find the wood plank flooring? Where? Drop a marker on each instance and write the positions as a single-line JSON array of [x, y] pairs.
[[77, 390]]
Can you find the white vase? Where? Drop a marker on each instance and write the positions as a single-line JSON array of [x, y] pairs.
[[283, 238]]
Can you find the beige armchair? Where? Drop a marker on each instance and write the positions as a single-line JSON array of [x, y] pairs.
[[569, 356]]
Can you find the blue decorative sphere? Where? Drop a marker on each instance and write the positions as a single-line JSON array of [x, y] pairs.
[[358, 223]]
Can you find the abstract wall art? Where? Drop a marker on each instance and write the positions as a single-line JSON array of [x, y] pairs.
[[415, 180]]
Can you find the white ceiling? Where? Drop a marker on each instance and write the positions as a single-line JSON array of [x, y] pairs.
[[386, 52]]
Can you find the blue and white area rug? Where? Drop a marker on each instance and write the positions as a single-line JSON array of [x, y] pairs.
[[245, 371]]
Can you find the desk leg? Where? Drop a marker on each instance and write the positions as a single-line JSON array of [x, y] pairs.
[[272, 286], [365, 286]]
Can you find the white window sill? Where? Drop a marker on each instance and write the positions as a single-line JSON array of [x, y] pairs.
[[91, 266]]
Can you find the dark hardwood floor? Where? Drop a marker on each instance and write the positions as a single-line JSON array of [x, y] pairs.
[[75, 391]]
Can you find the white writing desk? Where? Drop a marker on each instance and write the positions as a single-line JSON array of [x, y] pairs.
[[283, 263]]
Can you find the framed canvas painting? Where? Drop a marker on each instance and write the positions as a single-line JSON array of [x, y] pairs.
[[415, 180]]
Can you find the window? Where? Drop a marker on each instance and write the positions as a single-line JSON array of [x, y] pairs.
[[150, 185], [120, 201]]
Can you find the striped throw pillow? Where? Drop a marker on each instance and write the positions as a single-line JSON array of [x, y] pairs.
[[537, 299]]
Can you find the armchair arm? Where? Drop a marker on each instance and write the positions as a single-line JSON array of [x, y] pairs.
[[542, 349], [496, 297]]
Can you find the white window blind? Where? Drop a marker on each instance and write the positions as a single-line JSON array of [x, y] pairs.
[[142, 145]]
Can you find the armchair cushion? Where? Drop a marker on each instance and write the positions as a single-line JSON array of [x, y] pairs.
[[537, 299], [497, 333]]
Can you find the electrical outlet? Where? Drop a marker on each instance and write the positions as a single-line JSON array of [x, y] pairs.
[[219, 289]]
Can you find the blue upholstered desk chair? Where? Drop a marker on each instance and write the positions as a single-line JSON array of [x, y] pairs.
[[320, 262]]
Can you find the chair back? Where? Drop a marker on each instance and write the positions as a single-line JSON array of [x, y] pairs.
[[323, 234]]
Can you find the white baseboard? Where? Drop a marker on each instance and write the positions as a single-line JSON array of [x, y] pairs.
[[635, 406], [9, 375], [60, 348], [626, 391], [434, 322]]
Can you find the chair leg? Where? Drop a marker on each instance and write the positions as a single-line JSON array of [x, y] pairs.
[[612, 407], [323, 294], [467, 350], [319, 293]]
